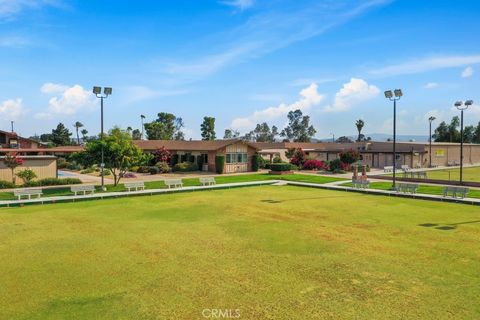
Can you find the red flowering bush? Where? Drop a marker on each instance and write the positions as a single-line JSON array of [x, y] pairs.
[[315, 165], [345, 166], [350, 156], [162, 155], [12, 161], [298, 157]]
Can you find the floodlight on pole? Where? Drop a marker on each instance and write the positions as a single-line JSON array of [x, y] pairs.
[[430, 120], [98, 93], [462, 106], [389, 95]]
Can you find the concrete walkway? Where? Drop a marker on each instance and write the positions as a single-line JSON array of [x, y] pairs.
[[107, 195]]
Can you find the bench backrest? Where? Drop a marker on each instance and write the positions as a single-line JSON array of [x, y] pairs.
[[27, 191], [134, 184], [388, 168], [207, 179], [83, 188], [173, 181]]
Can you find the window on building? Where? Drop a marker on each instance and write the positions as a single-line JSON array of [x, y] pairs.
[[3, 138], [236, 158]]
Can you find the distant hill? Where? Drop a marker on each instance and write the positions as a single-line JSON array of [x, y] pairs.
[[385, 137]]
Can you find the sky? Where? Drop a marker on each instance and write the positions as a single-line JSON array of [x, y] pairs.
[[241, 61]]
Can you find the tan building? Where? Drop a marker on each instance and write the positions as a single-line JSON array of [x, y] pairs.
[[43, 166]]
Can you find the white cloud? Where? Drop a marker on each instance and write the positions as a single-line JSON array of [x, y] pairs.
[[10, 8], [239, 4], [352, 93], [309, 97], [67, 100], [426, 64], [467, 72], [431, 85], [12, 109]]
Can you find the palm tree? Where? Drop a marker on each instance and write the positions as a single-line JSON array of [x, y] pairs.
[[84, 133], [359, 123], [78, 125]]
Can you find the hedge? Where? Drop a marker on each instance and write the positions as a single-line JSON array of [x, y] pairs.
[[185, 167], [219, 164], [279, 167], [53, 182], [256, 162], [6, 184]]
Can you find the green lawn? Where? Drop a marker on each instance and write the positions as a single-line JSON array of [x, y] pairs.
[[65, 191], [274, 252], [469, 174]]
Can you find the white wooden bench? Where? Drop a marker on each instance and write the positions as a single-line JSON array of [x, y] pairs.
[[83, 189], [405, 168], [388, 169], [455, 192], [207, 181], [174, 183], [19, 193], [137, 185], [406, 188], [361, 184]]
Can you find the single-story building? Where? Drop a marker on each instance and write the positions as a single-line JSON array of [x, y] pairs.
[[238, 153]]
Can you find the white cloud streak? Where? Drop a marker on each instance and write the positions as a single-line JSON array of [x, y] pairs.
[[467, 72], [426, 64], [12, 109], [239, 4], [352, 93], [67, 100]]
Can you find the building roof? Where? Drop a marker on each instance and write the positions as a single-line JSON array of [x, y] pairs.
[[192, 145], [10, 133]]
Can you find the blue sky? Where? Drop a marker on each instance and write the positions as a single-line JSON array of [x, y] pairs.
[[241, 61]]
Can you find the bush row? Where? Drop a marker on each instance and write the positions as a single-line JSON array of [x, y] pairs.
[[41, 183]]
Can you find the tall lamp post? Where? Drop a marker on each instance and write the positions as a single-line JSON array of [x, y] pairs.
[[430, 120], [98, 93], [333, 137], [462, 106], [390, 95], [142, 117]]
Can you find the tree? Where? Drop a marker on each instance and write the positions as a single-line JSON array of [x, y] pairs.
[[359, 124], [208, 128], [119, 153], [61, 135], [298, 128], [476, 134], [344, 139], [453, 133], [263, 133], [77, 126], [468, 134], [166, 127], [441, 133], [84, 133], [12, 161], [230, 134], [136, 134]]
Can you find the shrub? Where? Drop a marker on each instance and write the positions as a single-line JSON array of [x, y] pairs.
[[335, 165], [88, 170], [6, 184], [106, 172], [255, 162], [280, 167], [314, 164], [153, 170], [143, 169], [134, 168], [162, 155], [185, 166], [298, 157], [219, 164], [294, 167], [73, 166], [262, 162], [53, 182], [26, 175], [61, 163], [345, 166], [277, 159], [350, 156], [163, 167]]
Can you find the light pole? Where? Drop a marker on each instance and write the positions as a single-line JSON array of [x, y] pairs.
[[142, 117], [462, 106], [98, 93], [390, 95], [333, 137], [430, 120]]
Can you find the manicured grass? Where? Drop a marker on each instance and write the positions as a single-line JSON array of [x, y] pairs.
[[469, 174], [427, 189], [65, 191], [273, 252]]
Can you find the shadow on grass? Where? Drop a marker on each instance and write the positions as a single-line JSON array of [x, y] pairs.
[[313, 198], [446, 226]]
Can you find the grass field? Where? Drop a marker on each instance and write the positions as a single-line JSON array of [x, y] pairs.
[[274, 252], [65, 191], [469, 174]]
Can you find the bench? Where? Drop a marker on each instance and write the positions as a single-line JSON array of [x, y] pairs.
[[84, 189], [388, 169], [361, 184], [405, 168], [406, 188], [27, 193], [174, 183], [207, 181], [417, 174], [455, 192], [134, 185]]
